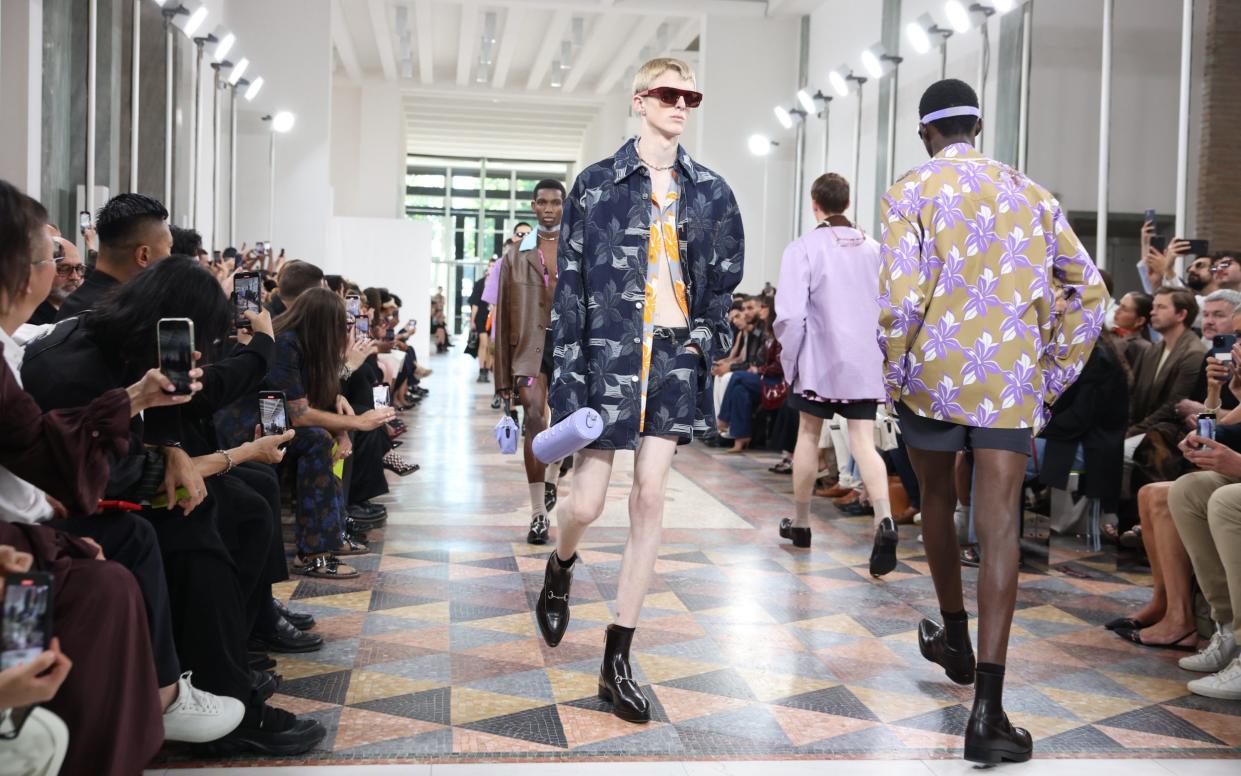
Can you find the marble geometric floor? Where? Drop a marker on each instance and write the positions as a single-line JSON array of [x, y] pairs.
[[749, 648]]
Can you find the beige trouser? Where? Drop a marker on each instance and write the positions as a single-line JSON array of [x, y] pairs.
[[38, 750], [1206, 508]]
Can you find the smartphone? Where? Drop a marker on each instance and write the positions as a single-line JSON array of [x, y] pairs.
[[390, 334], [382, 395], [1198, 248], [1221, 347], [258, 247], [362, 327], [27, 617], [1149, 217], [176, 351], [247, 296], [1159, 243], [273, 413], [84, 220], [353, 305]]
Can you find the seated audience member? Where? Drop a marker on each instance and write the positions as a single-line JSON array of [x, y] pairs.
[[1227, 271], [313, 346], [1206, 507], [1217, 311], [112, 703], [69, 274], [294, 279], [736, 415], [133, 234], [1132, 325], [1166, 372], [1200, 277], [199, 597]]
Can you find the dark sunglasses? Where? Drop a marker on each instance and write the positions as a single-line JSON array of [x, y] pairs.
[[65, 270], [668, 95]]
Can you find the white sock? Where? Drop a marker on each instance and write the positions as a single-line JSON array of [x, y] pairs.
[[536, 499], [552, 474], [801, 516]]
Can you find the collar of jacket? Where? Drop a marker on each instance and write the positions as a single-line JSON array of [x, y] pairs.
[[625, 162]]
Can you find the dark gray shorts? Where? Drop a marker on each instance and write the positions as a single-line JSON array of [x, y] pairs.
[[942, 436]]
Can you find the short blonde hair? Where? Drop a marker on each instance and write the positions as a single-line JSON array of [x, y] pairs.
[[656, 67]]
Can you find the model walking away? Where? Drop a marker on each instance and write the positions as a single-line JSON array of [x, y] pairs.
[[523, 360], [974, 254], [641, 310], [826, 315]]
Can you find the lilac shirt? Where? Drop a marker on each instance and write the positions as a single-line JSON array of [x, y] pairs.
[[827, 315]]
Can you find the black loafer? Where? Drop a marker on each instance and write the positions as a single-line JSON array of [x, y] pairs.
[[279, 733], [957, 662], [264, 684], [286, 638], [260, 661], [367, 512], [883, 553], [299, 620], [800, 536]]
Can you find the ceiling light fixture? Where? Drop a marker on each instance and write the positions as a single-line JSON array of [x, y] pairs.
[[238, 71], [195, 21], [224, 46], [760, 145], [839, 81], [253, 89], [958, 15]]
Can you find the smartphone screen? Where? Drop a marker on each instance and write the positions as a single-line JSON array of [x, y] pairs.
[[247, 296], [84, 220], [27, 618], [1159, 243], [353, 305], [273, 414], [381, 395], [362, 327], [176, 351], [1149, 217]]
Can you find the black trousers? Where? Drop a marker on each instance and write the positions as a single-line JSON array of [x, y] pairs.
[[130, 540], [249, 534], [265, 480], [365, 473]]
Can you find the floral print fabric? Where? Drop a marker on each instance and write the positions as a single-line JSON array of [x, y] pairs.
[[662, 252], [972, 256], [598, 316]]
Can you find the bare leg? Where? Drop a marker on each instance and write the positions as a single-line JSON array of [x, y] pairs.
[[964, 474], [939, 534], [1149, 496], [646, 515], [870, 466], [591, 472], [1159, 530], [806, 457], [484, 350], [998, 485], [533, 399]]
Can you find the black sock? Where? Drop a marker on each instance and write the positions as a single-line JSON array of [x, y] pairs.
[[564, 564], [994, 669], [622, 628], [957, 627]]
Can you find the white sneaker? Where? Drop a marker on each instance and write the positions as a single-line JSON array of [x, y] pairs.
[[1225, 685], [1216, 655], [197, 716]]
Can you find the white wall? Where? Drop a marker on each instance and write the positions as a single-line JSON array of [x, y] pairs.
[[744, 63], [368, 150], [21, 92], [394, 253]]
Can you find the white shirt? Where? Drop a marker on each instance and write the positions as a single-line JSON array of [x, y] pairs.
[[20, 502]]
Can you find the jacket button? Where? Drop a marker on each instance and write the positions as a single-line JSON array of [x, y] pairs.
[[638, 305], [634, 378], [637, 340]]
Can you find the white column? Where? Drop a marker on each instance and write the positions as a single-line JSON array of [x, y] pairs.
[[21, 121], [1105, 129], [1182, 128]]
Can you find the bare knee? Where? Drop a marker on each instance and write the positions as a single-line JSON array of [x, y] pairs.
[[646, 506]]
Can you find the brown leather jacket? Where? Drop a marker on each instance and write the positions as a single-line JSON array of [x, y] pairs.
[[523, 313]]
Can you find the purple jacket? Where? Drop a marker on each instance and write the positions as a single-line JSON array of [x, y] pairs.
[[827, 315]]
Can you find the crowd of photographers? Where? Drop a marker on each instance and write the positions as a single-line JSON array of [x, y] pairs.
[[159, 402]]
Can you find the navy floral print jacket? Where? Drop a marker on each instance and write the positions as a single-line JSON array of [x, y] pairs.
[[597, 316]]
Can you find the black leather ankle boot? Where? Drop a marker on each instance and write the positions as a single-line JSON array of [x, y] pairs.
[[616, 683], [800, 536], [552, 610], [989, 737], [954, 654]]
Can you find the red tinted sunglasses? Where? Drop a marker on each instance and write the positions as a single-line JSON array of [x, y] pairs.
[[668, 95]]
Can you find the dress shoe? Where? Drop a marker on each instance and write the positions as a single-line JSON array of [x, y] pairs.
[[852, 497], [835, 491], [357, 532], [367, 513], [269, 731], [539, 528], [857, 509], [957, 660], [800, 536], [883, 552], [552, 610], [264, 684], [260, 661], [989, 737], [616, 682], [495, 403], [285, 638], [299, 620], [549, 496], [905, 516]]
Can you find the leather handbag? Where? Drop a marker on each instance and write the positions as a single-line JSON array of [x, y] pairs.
[[772, 394], [507, 433]]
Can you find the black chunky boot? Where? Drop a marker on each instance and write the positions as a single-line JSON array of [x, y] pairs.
[[949, 646], [989, 737], [800, 536], [616, 683], [552, 610]]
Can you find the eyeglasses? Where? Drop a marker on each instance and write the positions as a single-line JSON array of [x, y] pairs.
[[1221, 264], [668, 95], [65, 270]]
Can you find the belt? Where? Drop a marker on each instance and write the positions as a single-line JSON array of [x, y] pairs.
[[663, 332]]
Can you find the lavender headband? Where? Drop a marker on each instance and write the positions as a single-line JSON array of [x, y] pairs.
[[944, 113]]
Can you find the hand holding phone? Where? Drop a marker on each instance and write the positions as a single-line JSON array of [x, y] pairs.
[[84, 221], [176, 352], [273, 413], [247, 297], [382, 396], [27, 617]]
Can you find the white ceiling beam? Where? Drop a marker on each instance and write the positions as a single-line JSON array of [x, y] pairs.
[[607, 26], [628, 53], [344, 43], [435, 115], [467, 42], [422, 26], [552, 35], [677, 8], [510, 36], [476, 92], [383, 37]]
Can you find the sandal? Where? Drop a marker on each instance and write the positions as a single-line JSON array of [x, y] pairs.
[[351, 546], [323, 567], [398, 465], [784, 467], [970, 556], [1135, 637]]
